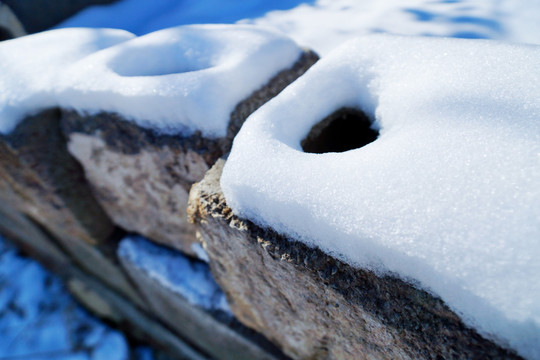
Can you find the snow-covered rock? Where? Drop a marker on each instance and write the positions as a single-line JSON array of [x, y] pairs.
[[38, 177], [30, 68], [179, 80], [315, 306], [147, 118], [447, 196]]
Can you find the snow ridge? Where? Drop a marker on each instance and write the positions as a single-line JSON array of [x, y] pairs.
[[181, 79], [177, 80]]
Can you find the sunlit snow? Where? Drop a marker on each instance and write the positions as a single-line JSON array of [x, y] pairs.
[[448, 194], [180, 79], [30, 67], [324, 24]]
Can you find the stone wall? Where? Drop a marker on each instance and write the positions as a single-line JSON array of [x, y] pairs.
[[72, 187]]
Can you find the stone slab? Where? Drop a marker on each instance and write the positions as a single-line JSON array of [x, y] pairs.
[[142, 178], [314, 306], [42, 182]]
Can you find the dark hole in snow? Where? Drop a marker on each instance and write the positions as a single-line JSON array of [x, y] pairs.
[[345, 129], [5, 34]]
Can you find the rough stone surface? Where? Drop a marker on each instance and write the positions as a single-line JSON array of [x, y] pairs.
[[197, 326], [142, 178], [41, 181], [314, 306]]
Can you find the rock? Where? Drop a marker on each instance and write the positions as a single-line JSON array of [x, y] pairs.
[[92, 300], [92, 293], [182, 294], [38, 319], [39, 15], [39, 179], [46, 183], [142, 178], [314, 306], [28, 237], [129, 317], [10, 26]]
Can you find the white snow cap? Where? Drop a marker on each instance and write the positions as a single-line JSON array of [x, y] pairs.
[[448, 195], [30, 66], [181, 79]]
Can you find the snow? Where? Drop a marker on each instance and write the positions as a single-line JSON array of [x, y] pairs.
[[30, 66], [178, 80], [447, 197], [40, 320], [328, 23], [187, 277], [324, 24]]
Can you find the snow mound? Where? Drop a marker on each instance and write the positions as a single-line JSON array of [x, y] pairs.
[[30, 66], [181, 79], [448, 196], [189, 278]]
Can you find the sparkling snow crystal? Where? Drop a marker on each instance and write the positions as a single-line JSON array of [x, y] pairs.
[[30, 67], [179, 79], [448, 195]]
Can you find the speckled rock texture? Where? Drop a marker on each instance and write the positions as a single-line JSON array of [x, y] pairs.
[[141, 178], [41, 183], [316, 307]]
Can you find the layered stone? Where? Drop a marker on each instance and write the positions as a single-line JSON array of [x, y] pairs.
[[142, 177], [198, 318], [42, 184], [315, 306]]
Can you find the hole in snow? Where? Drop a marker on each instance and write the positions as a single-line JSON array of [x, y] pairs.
[[345, 129], [157, 61], [5, 34]]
